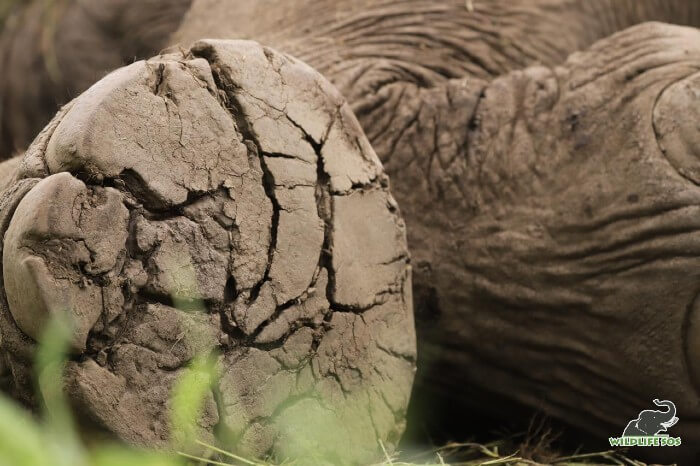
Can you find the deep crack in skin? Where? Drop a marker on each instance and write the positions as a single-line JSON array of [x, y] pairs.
[[247, 217]]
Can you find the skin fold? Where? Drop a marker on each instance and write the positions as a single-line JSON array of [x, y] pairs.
[[550, 195]]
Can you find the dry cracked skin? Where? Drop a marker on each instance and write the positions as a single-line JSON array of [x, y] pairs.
[[223, 201]]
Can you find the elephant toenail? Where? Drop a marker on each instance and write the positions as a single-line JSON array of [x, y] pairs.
[[57, 231]]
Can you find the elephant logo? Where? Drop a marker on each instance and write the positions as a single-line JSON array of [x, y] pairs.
[[649, 428], [652, 422]]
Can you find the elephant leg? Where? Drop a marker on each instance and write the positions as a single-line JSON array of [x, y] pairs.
[[223, 201], [554, 224]]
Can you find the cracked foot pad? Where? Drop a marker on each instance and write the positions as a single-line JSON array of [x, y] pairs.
[[224, 201]]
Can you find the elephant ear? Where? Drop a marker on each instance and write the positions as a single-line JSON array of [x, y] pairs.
[[649, 426], [648, 423]]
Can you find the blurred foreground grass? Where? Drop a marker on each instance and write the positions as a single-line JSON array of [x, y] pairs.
[[51, 438]]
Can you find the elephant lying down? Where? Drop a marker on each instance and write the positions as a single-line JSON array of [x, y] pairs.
[[552, 209]]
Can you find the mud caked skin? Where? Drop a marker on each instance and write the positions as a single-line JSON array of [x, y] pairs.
[[548, 182], [222, 202]]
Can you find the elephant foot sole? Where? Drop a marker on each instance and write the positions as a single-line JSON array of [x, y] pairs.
[[222, 202]]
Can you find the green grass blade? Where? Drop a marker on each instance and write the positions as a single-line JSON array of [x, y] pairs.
[[61, 437], [115, 455], [20, 437]]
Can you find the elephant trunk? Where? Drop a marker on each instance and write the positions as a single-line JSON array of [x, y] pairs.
[[671, 413]]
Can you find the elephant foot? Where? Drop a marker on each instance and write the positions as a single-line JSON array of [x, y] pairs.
[[222, 202]]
